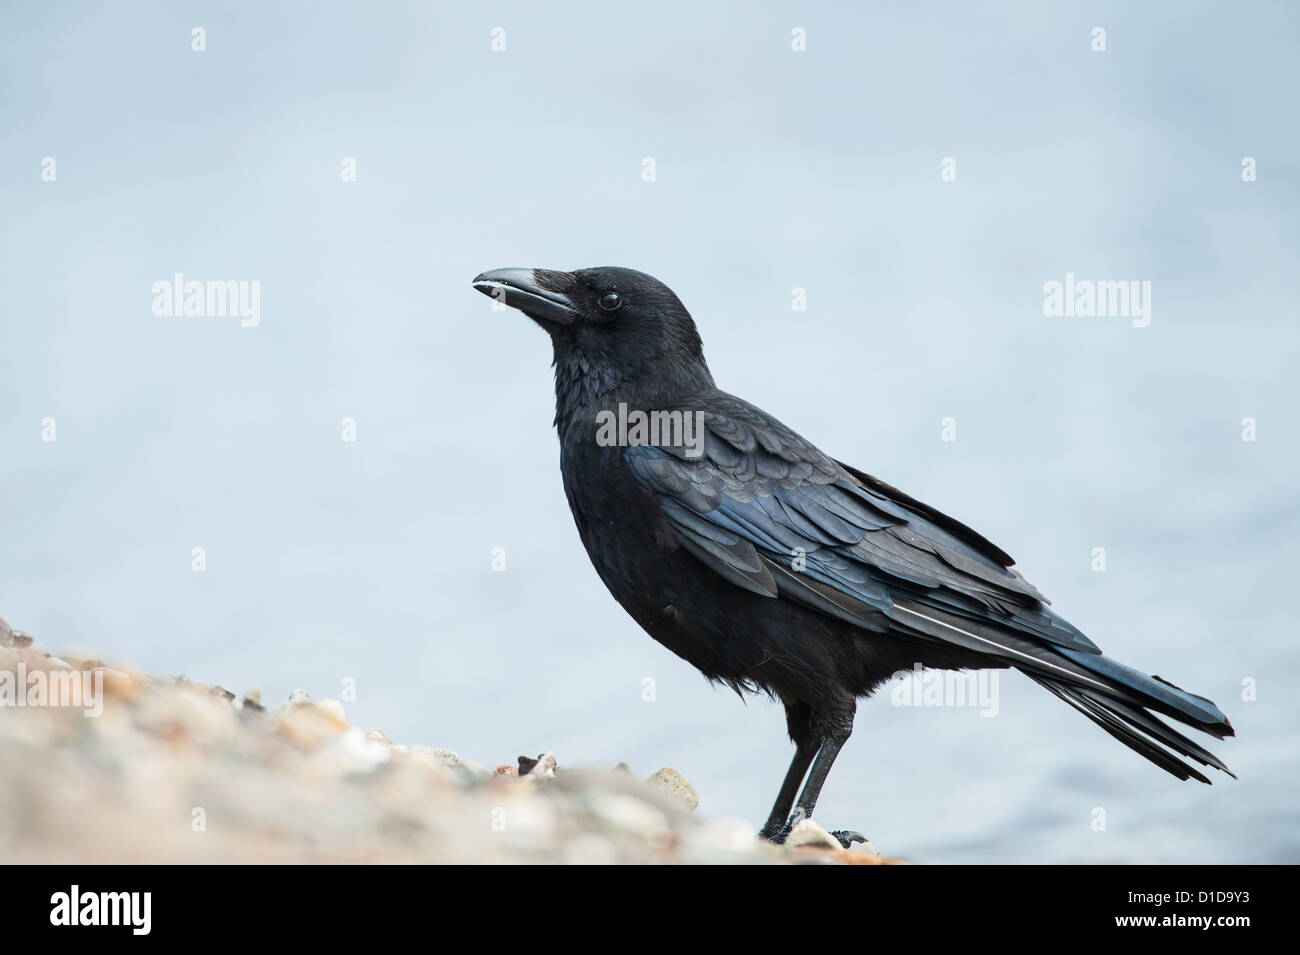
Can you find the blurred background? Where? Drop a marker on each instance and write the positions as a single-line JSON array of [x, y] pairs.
[[372, 560]]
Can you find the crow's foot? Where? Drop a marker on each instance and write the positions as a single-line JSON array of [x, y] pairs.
[[845, 837], [776, 838]]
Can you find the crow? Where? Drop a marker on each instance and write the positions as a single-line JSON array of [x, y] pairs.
[[772, 567]]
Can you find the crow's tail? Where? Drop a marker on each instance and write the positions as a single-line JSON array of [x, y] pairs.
[[1115, 697], [1121, 710]]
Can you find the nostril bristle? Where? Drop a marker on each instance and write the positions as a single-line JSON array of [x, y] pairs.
[[554, 280]]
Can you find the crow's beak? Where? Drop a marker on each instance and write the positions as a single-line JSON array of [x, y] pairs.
[[524, 289]]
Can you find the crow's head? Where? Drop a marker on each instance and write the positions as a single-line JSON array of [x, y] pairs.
[[612, 319]]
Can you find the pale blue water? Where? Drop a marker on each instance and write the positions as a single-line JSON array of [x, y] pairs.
[[372, 560]]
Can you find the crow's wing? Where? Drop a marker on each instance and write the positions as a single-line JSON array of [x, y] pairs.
[[765, 509]]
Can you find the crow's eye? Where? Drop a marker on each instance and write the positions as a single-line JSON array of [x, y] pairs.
[[609, 301]]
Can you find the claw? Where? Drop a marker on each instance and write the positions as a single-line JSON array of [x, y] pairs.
[[847, 837]]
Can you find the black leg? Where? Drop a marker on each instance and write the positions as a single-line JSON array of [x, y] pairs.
[[803, 757], [812, 788], [798, 721], [821, 768]]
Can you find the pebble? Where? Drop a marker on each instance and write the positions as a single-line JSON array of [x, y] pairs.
[[122, 684], [543, 766], [675, 784], [443, 757], [10, 637], [309, 725], [810, 835], [359, 753], [335, 708]]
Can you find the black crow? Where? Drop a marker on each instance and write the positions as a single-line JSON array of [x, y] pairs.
[[773, 567]]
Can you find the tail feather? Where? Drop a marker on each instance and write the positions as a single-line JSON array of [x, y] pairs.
[[1153, 692], [1137, 729], [1114, 696], [1116, 728]]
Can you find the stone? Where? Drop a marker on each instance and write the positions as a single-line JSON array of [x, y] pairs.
[[675, 784], [543, 766], [808, 834]]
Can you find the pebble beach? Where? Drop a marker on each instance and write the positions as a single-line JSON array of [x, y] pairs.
[[102, 764]]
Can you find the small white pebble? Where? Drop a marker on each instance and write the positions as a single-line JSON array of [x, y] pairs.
[[809, 833], [335, 709]]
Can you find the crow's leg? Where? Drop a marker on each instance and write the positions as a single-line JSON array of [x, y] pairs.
[[830, 748], [775, 824], [806, 742], [812, 788]]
